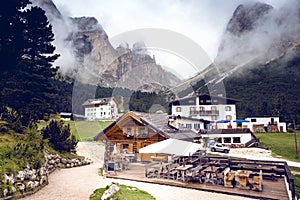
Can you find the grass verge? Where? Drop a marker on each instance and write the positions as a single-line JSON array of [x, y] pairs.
[[125, 193]]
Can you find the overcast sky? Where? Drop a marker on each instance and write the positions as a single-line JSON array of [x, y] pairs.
[[203, 21]]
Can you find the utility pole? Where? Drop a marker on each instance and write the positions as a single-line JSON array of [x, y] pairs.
[[296, 145]]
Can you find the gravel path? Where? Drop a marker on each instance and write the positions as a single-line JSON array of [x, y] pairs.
[[78, 183], [256, 154]]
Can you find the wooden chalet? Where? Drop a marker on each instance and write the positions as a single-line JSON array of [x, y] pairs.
[[134, 130]]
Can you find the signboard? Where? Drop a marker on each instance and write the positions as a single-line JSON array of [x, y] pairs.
[[110, 166]]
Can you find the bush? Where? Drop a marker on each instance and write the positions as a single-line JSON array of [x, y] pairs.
[[59, 136]]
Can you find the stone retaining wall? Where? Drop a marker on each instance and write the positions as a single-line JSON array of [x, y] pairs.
[[28, 181]]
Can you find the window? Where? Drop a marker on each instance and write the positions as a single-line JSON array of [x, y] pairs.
[[253, 120], [202, 108], [219, 140], [208, 101], [196, 126], [125, 146], [178, 109], [236, 140], [228, 108], [228, 117], [227, 140], [188, 125], [201, 101], [129, 130], [214, 117], [193, 110], [191, 101], [142, 130]]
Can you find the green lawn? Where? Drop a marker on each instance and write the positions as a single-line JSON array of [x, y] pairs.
[[125, 193], [83, 130], [87, 130], [281, 144]]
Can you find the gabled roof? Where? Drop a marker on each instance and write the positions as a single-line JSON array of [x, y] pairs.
[[101, 101], [156, 122]]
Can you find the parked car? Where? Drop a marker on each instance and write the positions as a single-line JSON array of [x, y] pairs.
[[220, 148]]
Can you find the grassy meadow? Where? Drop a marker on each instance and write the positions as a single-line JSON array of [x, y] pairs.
[[281, 144], [83, 130]]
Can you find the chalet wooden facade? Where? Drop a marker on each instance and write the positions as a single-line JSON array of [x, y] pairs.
[[131, 132]]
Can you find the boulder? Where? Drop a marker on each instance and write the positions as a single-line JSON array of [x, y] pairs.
[[13, 189], [30, 185], [20, 186], [113, 188], [20, 176], [9, 179], [43, 179], [5, 192], [64, 161]]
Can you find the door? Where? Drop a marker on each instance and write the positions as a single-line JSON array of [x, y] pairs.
[[281, 129]]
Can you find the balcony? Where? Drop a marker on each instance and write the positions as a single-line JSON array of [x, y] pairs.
[[204, 112]]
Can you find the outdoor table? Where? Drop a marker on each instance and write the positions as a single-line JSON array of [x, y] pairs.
[[211, 174], [155, 167], [182, 171]]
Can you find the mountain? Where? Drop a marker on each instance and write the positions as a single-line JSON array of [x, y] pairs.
[[87, 55], [257, 63]]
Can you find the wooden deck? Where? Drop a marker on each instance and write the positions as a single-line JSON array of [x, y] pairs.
[[271, 189]]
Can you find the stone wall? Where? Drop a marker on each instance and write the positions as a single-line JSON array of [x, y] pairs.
[[28, 181]]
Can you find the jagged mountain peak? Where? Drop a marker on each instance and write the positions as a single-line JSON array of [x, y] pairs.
[[90, 57], [245, 17]]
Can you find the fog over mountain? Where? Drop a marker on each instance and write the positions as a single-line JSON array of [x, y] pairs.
[[87, 54]]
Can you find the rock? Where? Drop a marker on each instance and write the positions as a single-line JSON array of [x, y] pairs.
[[9, 179], [20, 186], [113, 188], [57, 160], [30, 185], [43, 179], [36, 184], [28, 174], [64, 161], [20, 176], [13, 189], [33, 177], [72, 164], [68, 165], [51, 162], [5, 192]]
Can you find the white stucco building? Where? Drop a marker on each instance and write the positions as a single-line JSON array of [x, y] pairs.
[[102, 108], [206, 107], [265, 122]]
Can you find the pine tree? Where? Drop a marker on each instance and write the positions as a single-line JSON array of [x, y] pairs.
[[26, 55], [59, 136]]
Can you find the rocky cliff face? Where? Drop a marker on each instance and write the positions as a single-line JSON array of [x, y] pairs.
[[92, 59]]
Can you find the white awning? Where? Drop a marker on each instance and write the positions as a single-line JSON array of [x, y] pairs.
[[173, 147]]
